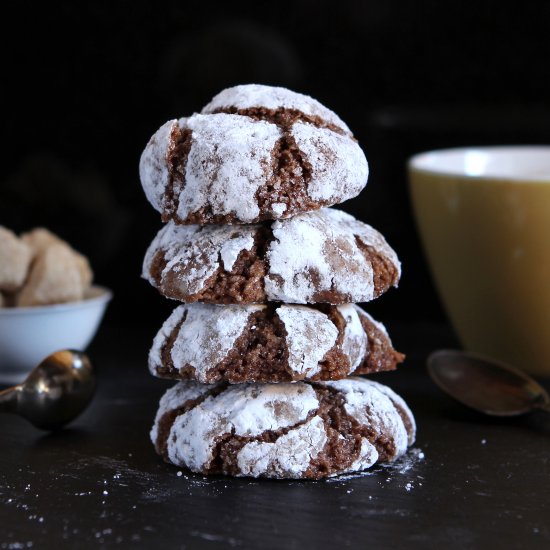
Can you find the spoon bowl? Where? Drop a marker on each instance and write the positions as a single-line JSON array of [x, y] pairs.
[[55, 392], [485, 385]]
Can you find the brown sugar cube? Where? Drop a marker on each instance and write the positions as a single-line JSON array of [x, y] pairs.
[[57, 275], [83, 267], [39, 239], [15, 258]]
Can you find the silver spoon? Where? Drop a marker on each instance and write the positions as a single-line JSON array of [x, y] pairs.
[[55, 392], [486, 385]]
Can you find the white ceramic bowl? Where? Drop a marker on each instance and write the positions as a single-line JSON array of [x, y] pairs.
[[28, 334]]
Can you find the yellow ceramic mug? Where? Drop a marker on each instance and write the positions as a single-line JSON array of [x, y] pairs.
[[484, 220]]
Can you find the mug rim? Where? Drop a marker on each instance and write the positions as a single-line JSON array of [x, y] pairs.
[[425, 162]]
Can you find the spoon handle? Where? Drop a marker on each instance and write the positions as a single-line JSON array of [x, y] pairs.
[[8, 399]]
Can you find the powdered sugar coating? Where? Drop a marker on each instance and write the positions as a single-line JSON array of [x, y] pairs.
[[288, 456], [318, 252], [355, 342], [278, 209], [153, 164], [244, 410], [220, 167], [229, 160], [168, 327], [399, 402], [210, 333], [200, 342], [231, 249], [313, 258], [175, 397], [362, 313], [243, 415], [310, 334], [368, 456], [193, 253], [332, 157], [246, 96], [372, 405]]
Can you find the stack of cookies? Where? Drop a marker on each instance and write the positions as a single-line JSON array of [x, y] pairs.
[[268, 333]]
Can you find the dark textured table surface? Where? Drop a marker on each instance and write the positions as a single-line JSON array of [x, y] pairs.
[[469, 481]]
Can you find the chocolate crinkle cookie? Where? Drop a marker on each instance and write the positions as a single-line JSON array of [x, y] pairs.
[[270, 343], [325, 256], [254, 153], [308, 430]]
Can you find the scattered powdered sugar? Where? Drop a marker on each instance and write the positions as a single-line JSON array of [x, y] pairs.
[[246, 96], [288, 456], [405, 463], [350, 475], [229, 160], [338, 165], [310, 334], [334, 261], [355, 342]]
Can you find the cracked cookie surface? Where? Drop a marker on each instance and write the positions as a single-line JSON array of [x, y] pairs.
[[254, 153], [301, 430], [270, 343], [326, 256]]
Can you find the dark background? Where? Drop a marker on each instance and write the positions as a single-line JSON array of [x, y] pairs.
[[85, 85]]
